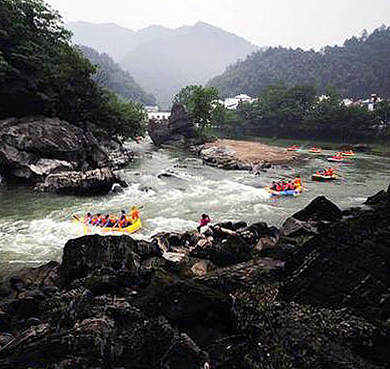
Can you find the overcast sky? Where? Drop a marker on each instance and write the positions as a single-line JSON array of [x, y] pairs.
[[296, 23]]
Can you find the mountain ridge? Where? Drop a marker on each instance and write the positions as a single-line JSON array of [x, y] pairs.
[[163, 60]]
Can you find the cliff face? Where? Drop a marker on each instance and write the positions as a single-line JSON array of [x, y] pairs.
[[311, 294]]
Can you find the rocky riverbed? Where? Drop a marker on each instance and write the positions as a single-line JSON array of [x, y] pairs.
[[313, 293]]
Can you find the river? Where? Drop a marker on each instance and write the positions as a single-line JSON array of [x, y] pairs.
[[34, 227]]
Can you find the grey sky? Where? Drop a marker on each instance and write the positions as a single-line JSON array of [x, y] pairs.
[[295, 23]]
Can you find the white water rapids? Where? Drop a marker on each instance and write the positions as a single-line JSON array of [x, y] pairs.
[[35, 227]]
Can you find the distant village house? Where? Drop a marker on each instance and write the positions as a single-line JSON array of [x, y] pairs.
[[231, 103]]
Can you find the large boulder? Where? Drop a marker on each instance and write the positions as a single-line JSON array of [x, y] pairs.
[[345, 264], [98, 255], [23, 142], [293, 227], [178, 131], [33, 148], [85, 183], [320, 209], [382, 198], [231, 250]]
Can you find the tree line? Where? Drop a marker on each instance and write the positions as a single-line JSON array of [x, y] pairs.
[[41, 73], [296, 112]]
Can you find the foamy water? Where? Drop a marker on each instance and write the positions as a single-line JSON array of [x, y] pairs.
[[35, 227]]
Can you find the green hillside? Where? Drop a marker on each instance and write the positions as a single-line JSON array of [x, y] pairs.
[[357, 69], [110, 75]]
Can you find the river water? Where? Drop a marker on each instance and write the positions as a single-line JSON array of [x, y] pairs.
[[35, 227]]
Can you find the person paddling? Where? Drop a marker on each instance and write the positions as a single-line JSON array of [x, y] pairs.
[[123, 220], [298, 182], [134, 214], [88, 218]]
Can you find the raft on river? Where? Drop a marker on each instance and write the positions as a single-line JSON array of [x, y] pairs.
[[322, 178], [293, 148], [284, 192], [315, 150], [336, 159], [134, 227]]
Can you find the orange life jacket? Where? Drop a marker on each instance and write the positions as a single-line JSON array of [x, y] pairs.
[[134, 214], [297, 182]]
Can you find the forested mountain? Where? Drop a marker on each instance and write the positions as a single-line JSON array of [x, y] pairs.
[[357, 69], [163, 60], [109, 74], [41, 73]]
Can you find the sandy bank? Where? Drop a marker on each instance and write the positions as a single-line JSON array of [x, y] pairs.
[[252, 152]]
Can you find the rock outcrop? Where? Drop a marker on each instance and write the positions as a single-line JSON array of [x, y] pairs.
[[320, 209], [177, 132], [35, 148], [346, 264], [84, 183]]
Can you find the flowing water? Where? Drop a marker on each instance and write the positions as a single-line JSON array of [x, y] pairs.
[[35, 227]]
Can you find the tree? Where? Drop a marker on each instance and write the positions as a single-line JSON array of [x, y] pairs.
[[198, 103]]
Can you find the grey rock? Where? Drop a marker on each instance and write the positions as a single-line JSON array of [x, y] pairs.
[[33, 148], [295, 228], [86, 183], [43, 167], [178, 131]]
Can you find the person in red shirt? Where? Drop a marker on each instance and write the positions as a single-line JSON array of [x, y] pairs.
[[204, 220]]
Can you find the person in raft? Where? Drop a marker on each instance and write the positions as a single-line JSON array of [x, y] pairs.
[[88, 218], [134, 214], [123, 220], [328, 172], [298, 183], [204, 220], [295, 184]]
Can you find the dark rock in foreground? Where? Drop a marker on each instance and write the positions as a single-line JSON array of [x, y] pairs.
[[320, 209], [346, 264]]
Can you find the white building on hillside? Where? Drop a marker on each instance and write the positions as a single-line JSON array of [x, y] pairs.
[[160, 115], [151, 108], [231, 103]]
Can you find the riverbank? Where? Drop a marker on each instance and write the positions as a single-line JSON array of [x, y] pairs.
[[238, 296], [243, 155], [254, 152]]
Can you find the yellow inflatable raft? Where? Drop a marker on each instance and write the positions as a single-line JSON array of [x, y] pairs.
[[137, 225]]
